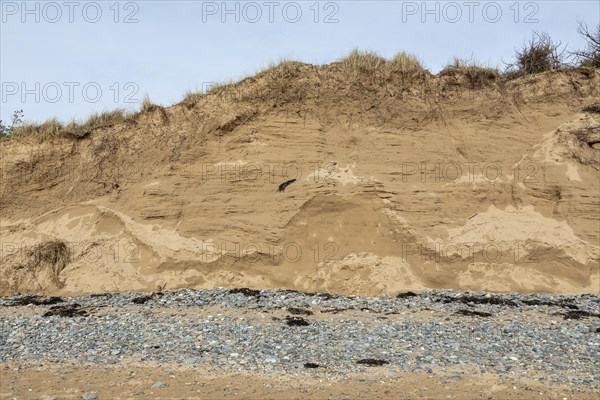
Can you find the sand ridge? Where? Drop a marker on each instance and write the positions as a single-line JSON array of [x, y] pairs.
[[435, 186]]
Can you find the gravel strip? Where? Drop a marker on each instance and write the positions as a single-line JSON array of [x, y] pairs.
[[545, 337]]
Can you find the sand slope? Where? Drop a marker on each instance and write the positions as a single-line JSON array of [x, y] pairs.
[[433, 184]]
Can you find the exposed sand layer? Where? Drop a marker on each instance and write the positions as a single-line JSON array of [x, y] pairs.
[[435, 183], [118, 382]]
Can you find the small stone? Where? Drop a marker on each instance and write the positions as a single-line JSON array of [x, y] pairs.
[[157, 385], [190, 361], [90, 396]]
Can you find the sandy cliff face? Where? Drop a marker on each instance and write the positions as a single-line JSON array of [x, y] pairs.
[[432, 182]]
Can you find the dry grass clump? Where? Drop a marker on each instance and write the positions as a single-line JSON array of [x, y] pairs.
[[458, 62], [96, 121], [225, 90], [368, 61], [285, 68], [41, 270], [191, 99], [466, 64], [46, 130], [406, 63], [148, 105], [476, 73], [56, 254], [370, 70], [363, 61], [278, 83], [53, 128], [106, 119], [217, 87], [284, 65]]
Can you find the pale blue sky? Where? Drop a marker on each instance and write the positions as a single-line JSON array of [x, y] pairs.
[[176, 46]]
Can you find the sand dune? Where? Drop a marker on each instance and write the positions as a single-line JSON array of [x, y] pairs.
[[398, 187]]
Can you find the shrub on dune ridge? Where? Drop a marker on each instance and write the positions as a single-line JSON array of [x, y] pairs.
[[590, 56], [540, 54], [16, 120]]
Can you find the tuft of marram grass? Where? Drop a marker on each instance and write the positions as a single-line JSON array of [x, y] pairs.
[[458, 62], [363, 60], [406, 63], [96, 121], [224, 90], [477, 72], [148, 105], [216, 87], [281, 67], [46, 130], [191, 98], [283, 62], [53, 128]]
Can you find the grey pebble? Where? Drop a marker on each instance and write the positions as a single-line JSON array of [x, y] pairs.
[[348, 329]]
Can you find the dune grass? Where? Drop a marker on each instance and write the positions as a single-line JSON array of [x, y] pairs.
[[96, 121], [148, 105], [477, 73], [191, 98], [363, 60], [406, 63], [364, 67], [46, 130], [53, 128], [370, 61]]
